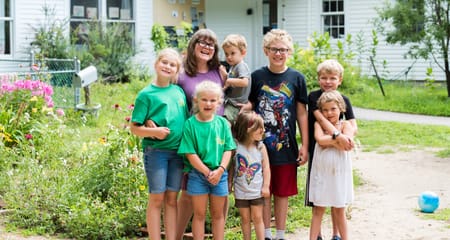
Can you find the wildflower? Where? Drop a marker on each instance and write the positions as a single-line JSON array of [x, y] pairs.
[[131, 106], [102, 140], [35, 67], [127, 118], [34, 110], [134, 159], [28, 136], [60, 112], [33, 99], [141, 187], [117, 106]]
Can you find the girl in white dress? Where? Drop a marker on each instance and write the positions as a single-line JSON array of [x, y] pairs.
[[331, 182]]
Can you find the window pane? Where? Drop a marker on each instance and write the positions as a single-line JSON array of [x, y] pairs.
[[120, 9], [333, 7], [5, 8], [341, 6], [326, 6], [84, 9], [341, 20], [334, 33], [341, 32], [5, 37]]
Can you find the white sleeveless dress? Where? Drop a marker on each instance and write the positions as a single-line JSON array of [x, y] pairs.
[[331, 182]]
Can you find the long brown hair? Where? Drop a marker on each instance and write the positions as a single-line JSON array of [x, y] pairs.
[[190, 62], [246, 122]]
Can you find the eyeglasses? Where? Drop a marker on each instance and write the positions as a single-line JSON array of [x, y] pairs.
[[204, 44], [274, 50]]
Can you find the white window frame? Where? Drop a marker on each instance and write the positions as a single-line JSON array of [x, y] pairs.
[[102, 15], [335, 18], [10, 21]]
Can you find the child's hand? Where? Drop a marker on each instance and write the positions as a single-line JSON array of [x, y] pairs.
[[223, 72], [265, 192], [161, 133], [345, 142], [214, 176]]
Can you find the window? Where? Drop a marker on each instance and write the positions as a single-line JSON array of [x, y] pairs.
[[333, 19], [5, 27], [84, 12]]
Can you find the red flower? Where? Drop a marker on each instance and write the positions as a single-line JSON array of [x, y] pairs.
[[28, 136]]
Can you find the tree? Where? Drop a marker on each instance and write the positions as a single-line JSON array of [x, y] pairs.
[[422, 24]]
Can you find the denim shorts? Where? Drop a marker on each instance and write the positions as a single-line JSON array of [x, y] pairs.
[[164, 170], [198, 184]]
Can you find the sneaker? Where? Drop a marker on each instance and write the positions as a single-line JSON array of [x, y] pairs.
[[267, 239], [319, 238], [336, 238]]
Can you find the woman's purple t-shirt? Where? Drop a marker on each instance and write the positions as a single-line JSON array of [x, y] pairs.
[[188, 84]]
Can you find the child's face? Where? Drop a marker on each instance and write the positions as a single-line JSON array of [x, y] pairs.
[[277, 53], [233, 55], [207, 103], [331, 111], [329, 81], [166, 67], [257, 135]]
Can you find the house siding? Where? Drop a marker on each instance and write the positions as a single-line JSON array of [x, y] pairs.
[[303, 18], [29, 13]]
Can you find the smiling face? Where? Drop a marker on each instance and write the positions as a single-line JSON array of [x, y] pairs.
[[204, 50], [167, 67], [277, 52], [329, 80]]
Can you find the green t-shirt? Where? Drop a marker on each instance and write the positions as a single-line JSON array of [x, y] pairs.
[[166, 107], [209, 140]]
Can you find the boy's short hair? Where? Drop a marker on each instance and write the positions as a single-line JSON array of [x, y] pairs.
[[330, 66], [235, 40], [278, 35]]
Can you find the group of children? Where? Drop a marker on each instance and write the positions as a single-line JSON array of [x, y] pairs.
[[207, 132]]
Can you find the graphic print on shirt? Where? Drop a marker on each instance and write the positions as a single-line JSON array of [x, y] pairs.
[[245, 169], [273, 107]]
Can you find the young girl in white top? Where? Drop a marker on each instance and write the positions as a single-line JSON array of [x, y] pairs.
[[331, 180], [251, 178]]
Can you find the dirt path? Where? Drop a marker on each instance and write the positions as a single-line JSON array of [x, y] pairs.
[[386, 206]]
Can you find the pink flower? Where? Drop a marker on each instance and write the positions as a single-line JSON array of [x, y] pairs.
[[60, 112], [28, 136], [131, 106], [117, 106], [127, 118], [35, 67]]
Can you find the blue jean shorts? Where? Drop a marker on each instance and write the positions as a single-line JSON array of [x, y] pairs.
[[164, 170], [198, 184]]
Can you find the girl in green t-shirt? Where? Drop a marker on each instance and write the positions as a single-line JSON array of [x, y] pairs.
[[207, 143]]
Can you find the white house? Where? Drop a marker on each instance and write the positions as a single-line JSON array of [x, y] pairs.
[[251, 18]]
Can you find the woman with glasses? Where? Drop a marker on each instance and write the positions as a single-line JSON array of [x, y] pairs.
[[201, 63]]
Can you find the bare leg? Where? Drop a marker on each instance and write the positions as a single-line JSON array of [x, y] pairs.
[[316, 222], [341, 222], [170, 214], [218, 221], [280, 209], [334, 223], [153, 215], [246, 223], [257, 218], [184, 214], [199, 203], [267, 212]]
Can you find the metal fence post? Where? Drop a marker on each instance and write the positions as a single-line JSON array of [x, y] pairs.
[[77, 90]]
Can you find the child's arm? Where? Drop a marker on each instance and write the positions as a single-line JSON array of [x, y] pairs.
[[150, 132], [223, 73], [354, 126], [265, 191], [198, 164], [346, 143], [302, 122], [324, 140], [236, 82], [231, 174]]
